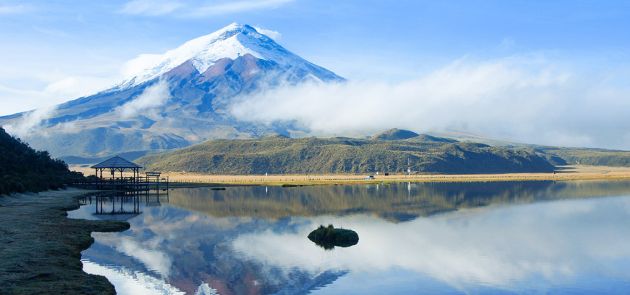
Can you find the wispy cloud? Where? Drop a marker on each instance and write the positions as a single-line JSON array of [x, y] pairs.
[[226, 7], [14, 8], [269, 33], [30, 122], [151, 98], [519, 98], [151, 7], [196, 8], [15, 99], [129, 281]]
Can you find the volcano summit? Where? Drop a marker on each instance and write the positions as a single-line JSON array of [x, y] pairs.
[[171, 100]]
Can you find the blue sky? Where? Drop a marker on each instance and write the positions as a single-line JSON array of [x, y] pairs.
[[356, 38], [57, 50]]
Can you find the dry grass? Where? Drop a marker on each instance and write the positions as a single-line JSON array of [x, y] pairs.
[[565, 173], [40, 248]]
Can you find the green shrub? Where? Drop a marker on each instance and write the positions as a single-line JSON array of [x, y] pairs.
[[23, 169]]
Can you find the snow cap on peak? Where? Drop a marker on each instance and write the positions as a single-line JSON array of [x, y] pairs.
[[231, 41], [236, 27]]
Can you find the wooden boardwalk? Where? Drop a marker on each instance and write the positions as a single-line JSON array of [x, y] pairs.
[[124, 195]]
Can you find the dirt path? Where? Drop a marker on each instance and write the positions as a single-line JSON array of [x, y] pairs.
[[40, 248]]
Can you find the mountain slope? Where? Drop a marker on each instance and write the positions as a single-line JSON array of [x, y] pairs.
[[174, 99], [344, 155]]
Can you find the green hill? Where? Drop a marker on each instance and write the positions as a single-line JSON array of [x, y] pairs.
[[586, 156], [395, 134], [556, 155], [24, 169], [346, 155]]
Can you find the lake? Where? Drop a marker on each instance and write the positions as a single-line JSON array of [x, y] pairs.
[[447, 238]]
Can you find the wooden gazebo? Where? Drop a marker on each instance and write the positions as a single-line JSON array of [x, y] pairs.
[[117, 164]]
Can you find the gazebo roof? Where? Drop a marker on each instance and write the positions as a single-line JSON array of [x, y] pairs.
[[116, 162]]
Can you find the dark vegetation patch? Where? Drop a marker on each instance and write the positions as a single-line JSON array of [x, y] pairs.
[[330, 237], [23, 169]]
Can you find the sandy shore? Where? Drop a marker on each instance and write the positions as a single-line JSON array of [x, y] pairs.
[[41, 248], [564, 173]]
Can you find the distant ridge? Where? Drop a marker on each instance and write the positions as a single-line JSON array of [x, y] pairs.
[[346, 155], [395, 134]]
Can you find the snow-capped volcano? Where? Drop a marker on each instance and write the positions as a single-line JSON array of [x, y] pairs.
[[232, 42], [171, 100]]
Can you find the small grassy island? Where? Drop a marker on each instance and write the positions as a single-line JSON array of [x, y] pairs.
[[330, 237]]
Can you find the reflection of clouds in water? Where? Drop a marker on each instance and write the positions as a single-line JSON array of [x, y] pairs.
[[499, 247], [205, 289], [161, 236], [130, 282], [147, 252], [177, 221]]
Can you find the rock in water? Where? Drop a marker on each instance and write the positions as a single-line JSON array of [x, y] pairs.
[[331, 237]]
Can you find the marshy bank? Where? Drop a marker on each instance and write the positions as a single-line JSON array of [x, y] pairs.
[[40, 248]]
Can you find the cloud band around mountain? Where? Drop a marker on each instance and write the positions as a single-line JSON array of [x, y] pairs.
[[518, 98]]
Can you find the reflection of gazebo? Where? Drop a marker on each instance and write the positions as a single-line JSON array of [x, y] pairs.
[[117, 164]]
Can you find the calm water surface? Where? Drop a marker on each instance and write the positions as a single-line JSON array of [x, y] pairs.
[[476, 238]]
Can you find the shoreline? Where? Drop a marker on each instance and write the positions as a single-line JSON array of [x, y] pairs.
[[42, 246], [566, 173]]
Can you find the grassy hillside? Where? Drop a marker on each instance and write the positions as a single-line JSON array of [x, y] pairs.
[[24, 169], [584, 156], [345, 155], [556, 155]]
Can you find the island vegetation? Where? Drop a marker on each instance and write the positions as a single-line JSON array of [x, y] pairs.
[[329, 237]]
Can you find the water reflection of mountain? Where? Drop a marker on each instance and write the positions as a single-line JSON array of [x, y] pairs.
[[252, 240], [187, 249], [395, 202]]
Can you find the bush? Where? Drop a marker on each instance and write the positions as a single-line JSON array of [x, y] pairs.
[[23, 169], [330, 237]]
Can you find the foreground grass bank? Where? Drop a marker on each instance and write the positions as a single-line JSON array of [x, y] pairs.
[[40, 248]]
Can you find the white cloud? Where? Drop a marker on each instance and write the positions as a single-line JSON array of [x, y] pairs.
[[226, 7], [196, 8], [151, 98], [140, 64], [130, 282], [74, 86], [152, 258], [520, 98], [30, 122], [32, 96], [13, 8], [275, 35], [549, 243], [151, 7]]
